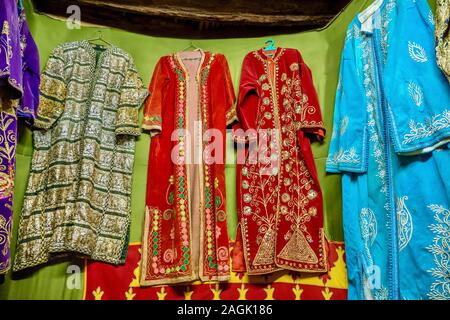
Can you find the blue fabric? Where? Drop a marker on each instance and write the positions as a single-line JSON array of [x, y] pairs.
[[395, 194], [416, 88]]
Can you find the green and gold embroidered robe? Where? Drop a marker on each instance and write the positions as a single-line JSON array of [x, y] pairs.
[[78, 197]]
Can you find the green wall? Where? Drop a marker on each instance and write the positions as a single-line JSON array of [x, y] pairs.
[[321, 50]]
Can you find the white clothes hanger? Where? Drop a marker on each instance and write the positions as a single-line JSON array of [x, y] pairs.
[[366, 17]]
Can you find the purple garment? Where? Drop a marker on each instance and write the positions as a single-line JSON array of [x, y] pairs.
[[19, 98]]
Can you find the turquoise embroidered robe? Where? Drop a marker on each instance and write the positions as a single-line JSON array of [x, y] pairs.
[[390, 143]]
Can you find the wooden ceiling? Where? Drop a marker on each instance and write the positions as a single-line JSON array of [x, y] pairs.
[[202, 18]]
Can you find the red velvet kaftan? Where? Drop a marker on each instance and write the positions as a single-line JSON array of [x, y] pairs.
[[185, 236], [279, 206]]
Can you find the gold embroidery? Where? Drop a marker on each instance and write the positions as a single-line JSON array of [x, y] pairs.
[[284, 193], [266, 253], [78, 196], [298, 249], [5, 44]]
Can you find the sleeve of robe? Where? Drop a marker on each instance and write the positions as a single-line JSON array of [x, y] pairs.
[[53, 90], [247, 102], [229, 95], [153, 104], [349, 138], [310, 115], [28, 105], [132, 96]]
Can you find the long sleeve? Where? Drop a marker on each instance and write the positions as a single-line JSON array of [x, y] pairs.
[[154, 103], [27, 108], [248, 96], [53, 90], [310, 114], [230, 97], [132, 97], [247, 103], [349, 139]]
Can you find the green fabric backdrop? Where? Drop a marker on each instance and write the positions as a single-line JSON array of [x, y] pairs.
[[321, 50]]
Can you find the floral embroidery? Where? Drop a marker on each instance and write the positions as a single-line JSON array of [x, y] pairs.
[[440, 288], [6, 184], [415, 92], [425, 129], [431, 18], [353, 33], [5, 235], [8, 140], [344, 156], [387, 19], [404, 222], [5, 45], [294, 67], [277, 194], [369, 230], [417, 52], [374, 136]]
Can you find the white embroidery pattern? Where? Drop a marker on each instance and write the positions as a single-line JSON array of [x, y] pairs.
[[369, 230], [415, 92], [343, 125], [344, 156], [404, 223], [387, 19], [353, 33], [440, 288], [419, 130], [382, 294], [374, 136], [431, 18], [417, 52]]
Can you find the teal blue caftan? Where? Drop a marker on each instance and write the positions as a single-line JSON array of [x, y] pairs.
[[390, 143]]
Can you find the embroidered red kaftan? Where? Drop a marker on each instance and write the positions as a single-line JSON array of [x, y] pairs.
[[280, 211], [185, 235]]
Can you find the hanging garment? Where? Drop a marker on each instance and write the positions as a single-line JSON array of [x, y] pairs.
[[391, 125], [78, 197], [19, 96], [442, 35], [185, 234], [279, 197]]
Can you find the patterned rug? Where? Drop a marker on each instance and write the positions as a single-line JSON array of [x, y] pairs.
[[107, 282]]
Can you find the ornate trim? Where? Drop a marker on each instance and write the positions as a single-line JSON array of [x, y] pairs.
[[420, 130], [440, 288], [404, 223], [417, 52], [344, 156], [415, 93]]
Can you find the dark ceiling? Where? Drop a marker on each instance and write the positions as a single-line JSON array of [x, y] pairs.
[[201, 18]]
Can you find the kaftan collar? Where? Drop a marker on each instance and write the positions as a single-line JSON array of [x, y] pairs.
[[262, 56]]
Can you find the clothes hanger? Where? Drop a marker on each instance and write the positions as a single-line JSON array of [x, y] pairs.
[[99, 38], [270, 47], [365, 17], [193, 46]]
